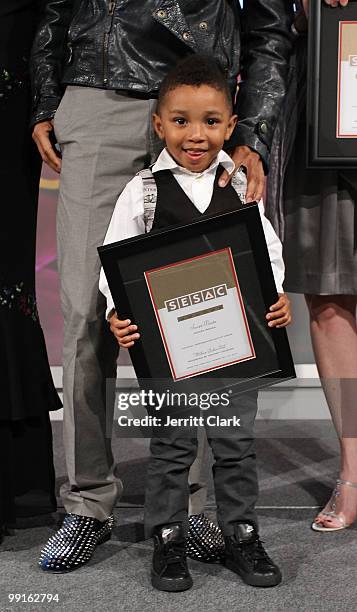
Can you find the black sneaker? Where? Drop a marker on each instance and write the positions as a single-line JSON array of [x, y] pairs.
[[205, 540], [245, 555], [74, 544], [169, 564]]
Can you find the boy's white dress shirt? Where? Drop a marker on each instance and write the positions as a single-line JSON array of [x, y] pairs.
[[128, 216]]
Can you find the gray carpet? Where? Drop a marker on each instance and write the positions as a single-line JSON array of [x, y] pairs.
[[297, 466]]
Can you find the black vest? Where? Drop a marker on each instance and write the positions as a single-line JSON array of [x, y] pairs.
[[174, 207]]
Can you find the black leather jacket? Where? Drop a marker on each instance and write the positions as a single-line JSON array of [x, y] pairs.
[[131, 45]]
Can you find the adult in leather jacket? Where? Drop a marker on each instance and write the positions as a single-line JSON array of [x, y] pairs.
[[96, 68], [110, 44]]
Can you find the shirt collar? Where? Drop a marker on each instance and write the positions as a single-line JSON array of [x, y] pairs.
[[166, 162]]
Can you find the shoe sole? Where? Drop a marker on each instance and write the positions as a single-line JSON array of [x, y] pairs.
[[172, 586], [73, 569], [257, 582]]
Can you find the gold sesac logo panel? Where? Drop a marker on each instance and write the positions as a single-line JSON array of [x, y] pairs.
[[184, 301]]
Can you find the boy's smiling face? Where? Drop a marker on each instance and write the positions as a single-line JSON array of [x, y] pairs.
[[194, 122]]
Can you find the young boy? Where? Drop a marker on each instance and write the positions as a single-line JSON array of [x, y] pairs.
[[194, 118]]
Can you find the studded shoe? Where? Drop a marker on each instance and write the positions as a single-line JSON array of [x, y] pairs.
[[204, 541], [74, 543]]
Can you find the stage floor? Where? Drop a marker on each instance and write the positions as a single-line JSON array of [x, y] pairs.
[[297, 466]]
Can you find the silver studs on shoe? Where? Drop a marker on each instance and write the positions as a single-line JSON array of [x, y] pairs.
[[205, 540], [74, 543]]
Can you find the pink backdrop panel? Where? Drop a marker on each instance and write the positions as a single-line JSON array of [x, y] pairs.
[[47, 283]]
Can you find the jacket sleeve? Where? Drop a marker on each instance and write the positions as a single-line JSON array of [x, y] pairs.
[[275, 249], [47, 56], [266, 48]]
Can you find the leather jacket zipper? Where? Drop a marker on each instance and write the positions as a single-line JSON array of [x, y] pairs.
[[111, 8]]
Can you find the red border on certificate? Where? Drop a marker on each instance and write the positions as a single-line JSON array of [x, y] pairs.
[[247, 358], [338, 131]]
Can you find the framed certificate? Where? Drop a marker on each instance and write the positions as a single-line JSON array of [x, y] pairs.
[[200, 313], [347, 80], [199, 294], [332, 86]]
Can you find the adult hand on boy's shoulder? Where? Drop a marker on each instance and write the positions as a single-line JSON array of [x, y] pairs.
[[279, 314], [244, 156], [125, 333]]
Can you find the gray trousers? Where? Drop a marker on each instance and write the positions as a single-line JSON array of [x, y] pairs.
[[105, 139]]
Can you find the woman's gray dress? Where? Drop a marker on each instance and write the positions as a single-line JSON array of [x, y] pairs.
[[313, 211]]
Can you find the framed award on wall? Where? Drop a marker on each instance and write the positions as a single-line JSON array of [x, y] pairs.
[[332, 86]]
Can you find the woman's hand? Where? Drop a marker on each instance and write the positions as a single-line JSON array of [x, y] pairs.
[[305, 4], [335, 2]]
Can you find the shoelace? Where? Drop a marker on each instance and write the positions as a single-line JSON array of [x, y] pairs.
[[255, 551], [174, 553]]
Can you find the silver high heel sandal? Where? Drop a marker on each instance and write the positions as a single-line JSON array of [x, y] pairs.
[[332, 513]]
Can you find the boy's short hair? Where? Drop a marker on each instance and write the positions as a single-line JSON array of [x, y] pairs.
[[195, 70]]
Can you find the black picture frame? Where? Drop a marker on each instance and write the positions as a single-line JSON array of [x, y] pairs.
[[126, 261], [324, 148]]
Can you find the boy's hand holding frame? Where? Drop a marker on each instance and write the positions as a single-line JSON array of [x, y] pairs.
[[279, 315], [125, 333]]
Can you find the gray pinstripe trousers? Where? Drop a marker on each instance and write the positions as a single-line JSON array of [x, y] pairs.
[[105, 139]]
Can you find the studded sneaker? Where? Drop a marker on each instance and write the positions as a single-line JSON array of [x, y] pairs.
[[169, 564], [205, 540], [245, 555], [74, 543]]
